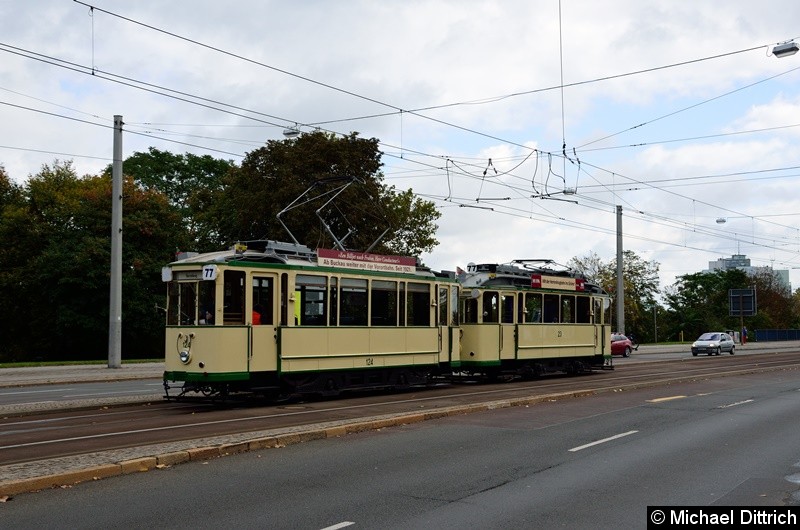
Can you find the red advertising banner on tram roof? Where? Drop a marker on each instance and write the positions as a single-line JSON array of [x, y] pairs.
[[363, 261]]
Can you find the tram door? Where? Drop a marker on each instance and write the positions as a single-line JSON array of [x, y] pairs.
[[263, 302], [447, 320], [508, 345], [498, 309]]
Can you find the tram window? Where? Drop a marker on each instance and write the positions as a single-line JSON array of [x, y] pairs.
[[584, 310], [402, 300], [173, 303], [441, 316], [284, 299], [206, 295], [353, 302], [507, 301], [333, 301], [383, 306], [470, 311], [533, 307], [233, 298], [606, 311], [550, 308], [567, 308], [454, 305], [263, 299], [181, 303], [187, 303], [310, 300], [419, 304], [597, 303], [490, 309]]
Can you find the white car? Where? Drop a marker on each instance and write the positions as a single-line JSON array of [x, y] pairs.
[[713, 343]]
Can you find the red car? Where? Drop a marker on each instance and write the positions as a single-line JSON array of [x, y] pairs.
[[622, 345]]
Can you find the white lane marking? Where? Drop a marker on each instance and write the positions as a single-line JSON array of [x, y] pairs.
[[604, 440], [736, 404], [659, 400], [343, 524]]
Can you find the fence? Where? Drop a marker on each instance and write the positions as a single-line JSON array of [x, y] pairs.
[[766, 335]]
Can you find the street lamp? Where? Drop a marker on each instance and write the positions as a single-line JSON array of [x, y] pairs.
[[291, 132], [785, 49]]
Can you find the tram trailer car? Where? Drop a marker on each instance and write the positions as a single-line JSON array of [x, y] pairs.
[[278, 318], [525, 319]]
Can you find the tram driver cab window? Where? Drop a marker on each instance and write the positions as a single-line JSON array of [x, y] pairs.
[[491, 310], [469, 312]]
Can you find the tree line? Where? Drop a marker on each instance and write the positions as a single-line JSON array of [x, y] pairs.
[[55, 228], [56, 231], [695, 303]]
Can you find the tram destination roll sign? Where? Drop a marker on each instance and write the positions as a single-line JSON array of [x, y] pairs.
[[743, 302]]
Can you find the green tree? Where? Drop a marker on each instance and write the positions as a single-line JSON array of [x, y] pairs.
[[187, 180], [795, 308], [775, 309], [698, 302], [14, 232], [345, 186], [640, 281], [62, 283]]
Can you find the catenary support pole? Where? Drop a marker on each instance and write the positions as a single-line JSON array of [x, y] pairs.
[[115, 304], [620, 282]]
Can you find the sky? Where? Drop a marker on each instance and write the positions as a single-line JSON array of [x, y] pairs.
[[538, 128]]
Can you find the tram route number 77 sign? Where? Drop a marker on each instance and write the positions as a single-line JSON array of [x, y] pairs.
[[743, 302]]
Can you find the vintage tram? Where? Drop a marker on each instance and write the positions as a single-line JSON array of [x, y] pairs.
[[275, 318], [528, 318]]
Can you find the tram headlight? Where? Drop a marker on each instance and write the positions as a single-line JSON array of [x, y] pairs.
[[185, 356]]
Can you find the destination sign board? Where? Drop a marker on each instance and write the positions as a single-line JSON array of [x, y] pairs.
[[563, 283]]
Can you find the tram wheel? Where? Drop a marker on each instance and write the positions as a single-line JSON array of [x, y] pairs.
[[331, 388]]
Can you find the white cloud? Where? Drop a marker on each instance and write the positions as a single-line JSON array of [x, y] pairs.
[[643, 140]]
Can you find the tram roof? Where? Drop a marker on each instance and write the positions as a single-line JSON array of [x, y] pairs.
[[276, 252], [516, 274]]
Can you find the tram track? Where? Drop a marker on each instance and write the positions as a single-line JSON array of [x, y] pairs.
[[57, 434]]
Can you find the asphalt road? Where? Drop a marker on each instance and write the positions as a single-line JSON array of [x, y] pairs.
[[86, 466], [591, 462]]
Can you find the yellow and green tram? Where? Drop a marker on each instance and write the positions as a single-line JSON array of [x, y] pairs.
[[277, 318], [527, 319]]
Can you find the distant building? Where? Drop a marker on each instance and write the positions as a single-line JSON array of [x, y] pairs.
[[740, 261]]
